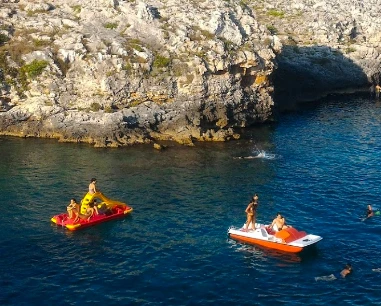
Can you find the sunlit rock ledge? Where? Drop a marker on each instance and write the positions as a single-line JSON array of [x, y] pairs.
[[115, 73]]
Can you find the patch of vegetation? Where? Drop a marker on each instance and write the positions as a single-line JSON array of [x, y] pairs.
[[14, 77], [136, 44], [125, 29], [108, 109], [161, 62], [135, 103], [34, 13], [138, 59], [207, 34], [111, 25], [34, 69], [291, 41], [267, 42], [3, 39], [23, 44], [94, 107], [39, 43], [77, 9], [198, 34], [275, 13], [127, 67], [228, 45], [273, 30], [111, 72], [58, 31], [350, 50], [244, 3]]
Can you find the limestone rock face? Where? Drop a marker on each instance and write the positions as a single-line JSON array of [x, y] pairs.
[[327, 46], [116, 73]]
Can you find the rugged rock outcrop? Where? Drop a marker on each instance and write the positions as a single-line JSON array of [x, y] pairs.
[[114, 73], [327, 46]]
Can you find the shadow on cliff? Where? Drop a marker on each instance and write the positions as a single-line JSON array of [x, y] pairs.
[[310, 73]]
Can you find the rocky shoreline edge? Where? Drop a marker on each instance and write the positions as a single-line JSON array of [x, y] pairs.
[[117, 73]]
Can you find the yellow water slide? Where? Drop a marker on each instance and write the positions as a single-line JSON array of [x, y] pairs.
[[88, 198]]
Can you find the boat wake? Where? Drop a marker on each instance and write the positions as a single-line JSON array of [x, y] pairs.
[[259, 154]]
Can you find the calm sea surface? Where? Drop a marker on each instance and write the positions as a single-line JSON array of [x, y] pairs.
[[323, 168]]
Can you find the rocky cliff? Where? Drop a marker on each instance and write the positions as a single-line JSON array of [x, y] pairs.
[[116, 73]]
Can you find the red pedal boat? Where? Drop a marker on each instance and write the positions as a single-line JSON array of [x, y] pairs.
[[115, 210]]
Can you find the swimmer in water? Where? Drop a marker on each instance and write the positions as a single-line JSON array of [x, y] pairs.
[[347, 270], [369, 212]]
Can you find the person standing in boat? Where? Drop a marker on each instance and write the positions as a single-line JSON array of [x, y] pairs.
[[251, 212], [92, 188], [85, 201]]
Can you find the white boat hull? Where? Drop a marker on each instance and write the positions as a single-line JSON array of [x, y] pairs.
[[288, 240]]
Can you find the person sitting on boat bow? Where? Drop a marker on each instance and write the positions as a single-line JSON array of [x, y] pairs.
[[73, 209]]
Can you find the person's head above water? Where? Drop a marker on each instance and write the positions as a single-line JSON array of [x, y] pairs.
[[348, 267]]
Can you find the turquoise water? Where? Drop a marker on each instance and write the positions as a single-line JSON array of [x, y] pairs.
[[322, 168]]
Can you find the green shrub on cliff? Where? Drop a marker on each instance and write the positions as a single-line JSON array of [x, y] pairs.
[[273, 30], [161, 62], [77, 9], [3, 38], [275, 13], [350, 50], [13, 76], [34, 69], [111, 25], [94, 107]]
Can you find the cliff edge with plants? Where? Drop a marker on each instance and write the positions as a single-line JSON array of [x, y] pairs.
[[115, 73]]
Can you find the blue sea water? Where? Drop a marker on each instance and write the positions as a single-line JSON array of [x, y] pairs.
[[323, 168]]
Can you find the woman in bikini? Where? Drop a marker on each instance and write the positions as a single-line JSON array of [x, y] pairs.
[[73, 209], [92, 188], [251, 213]]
